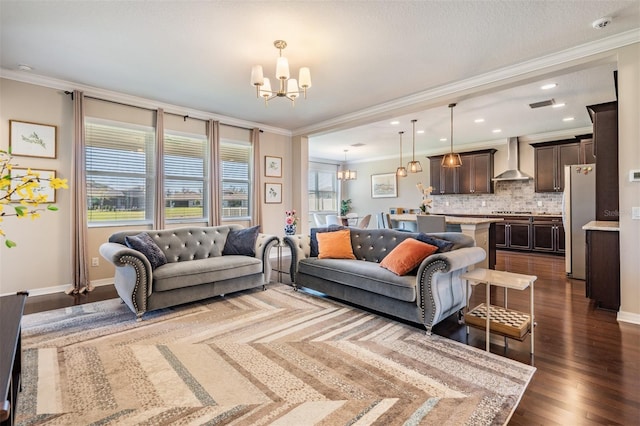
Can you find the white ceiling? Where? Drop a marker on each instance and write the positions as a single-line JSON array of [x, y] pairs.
[[370, 61]]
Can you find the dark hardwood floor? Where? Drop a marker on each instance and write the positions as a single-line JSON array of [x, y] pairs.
[[588, 364]]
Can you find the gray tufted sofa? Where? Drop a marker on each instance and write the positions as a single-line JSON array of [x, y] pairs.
[[431, 295], [195, 268]]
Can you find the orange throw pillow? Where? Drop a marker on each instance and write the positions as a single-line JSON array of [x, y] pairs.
[[335, 245], [407, 255]]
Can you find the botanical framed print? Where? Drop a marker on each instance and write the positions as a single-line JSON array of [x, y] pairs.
[[32, 139], [272, 166], [42, 189], [273, 193], [384, 185]]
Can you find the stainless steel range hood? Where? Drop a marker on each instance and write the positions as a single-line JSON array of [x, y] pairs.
[[513, 164]]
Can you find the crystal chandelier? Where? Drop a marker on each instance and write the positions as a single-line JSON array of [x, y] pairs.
[[288, 87]]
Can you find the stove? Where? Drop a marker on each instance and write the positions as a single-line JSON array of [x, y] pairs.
[[510, 212]]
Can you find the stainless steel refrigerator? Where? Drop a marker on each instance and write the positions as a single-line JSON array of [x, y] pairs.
[[578, 208]]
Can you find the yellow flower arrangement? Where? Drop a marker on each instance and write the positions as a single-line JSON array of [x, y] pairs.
[[20, 192]]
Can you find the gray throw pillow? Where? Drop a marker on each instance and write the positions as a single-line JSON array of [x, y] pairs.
[[145, 245], [442, 244], [241, 242], [313, 250]]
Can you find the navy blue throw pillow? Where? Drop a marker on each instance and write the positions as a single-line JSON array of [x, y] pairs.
[[443, 245], [241, 242], [313, 252], [145, 245]]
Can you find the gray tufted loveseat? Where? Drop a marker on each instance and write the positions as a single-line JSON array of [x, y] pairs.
[[196, 268], [426, 296]]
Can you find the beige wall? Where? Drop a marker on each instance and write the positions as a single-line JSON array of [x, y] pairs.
[[629, 159], [41, 262]]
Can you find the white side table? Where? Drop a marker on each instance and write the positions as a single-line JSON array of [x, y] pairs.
[[497, 319]]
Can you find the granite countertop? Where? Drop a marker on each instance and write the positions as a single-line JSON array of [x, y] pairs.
[[454, 220], [601, 225]]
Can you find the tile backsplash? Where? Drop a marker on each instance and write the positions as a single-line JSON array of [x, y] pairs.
[[507, 196]]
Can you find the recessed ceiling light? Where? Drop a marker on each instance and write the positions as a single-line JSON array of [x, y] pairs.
[[557, 105], [599, 24], [568, 119], [24, 67], [479, 120], [548, 86], [443, 139], [420, 131], [395, 123], [497, 130]]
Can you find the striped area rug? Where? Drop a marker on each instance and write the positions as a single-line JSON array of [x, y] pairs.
[[274, 357]]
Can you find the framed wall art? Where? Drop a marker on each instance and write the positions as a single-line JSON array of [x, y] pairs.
[[273, 193], [32, 139], [384, 185], [43, 187], [272, 166]]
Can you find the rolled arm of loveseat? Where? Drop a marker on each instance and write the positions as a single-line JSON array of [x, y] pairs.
[[264, 244], [300, 246], [441, 292], [133, 275]]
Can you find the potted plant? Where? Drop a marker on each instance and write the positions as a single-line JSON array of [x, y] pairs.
[[345, 206]]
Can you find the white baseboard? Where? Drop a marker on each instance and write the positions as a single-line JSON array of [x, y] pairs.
[[629, 317], [62, 288]]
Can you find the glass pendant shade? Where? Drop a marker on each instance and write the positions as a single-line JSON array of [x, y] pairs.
[[257, 77], [414, 166], [347, 174], [305, 78], [282, 68], [401, 171], [451, 159]]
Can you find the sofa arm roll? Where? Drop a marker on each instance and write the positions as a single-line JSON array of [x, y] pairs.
[[115, 253], [300, 246], [264, 244]]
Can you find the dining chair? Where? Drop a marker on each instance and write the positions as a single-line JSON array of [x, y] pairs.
[[431, 223], [364, 223], [319, 222], [332, 219]]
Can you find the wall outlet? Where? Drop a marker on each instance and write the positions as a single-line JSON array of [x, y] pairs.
[[484, 204], [95, 261], [446, 203], [539, 203], [635, 213]]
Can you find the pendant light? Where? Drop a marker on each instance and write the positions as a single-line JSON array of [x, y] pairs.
[[451, 159], [347, 174], [401, 171], [413, 165]]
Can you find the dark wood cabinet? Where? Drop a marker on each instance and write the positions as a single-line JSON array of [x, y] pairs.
[[605, 147], [586, 151], [11, 310], [549, 161], [476, 172], [603, 268], [473, 177], [514, 233], [548, 235]]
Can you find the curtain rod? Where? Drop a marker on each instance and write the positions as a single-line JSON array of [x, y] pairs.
[[166, 112]]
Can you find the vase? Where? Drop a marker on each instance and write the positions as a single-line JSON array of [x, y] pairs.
[[289, 229]]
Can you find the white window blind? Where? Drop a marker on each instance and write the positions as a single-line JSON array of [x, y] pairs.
[[185, 183], [120, 171], [236, 178], [323, 188]]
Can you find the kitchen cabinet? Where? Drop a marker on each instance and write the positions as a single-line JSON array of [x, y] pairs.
[[549, 161], [603, 268], [514, 233], [605, 147], [587, 151], [548, 235], [473, 177]]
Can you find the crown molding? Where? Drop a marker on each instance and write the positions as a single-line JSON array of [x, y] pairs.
[[108, 95], [599, 50]]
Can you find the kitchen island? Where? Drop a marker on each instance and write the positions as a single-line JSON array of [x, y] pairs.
[[481, 229]]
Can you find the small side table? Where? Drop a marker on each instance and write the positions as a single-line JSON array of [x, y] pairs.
[[496, 319]]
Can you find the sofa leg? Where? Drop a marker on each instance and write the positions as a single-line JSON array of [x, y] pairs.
[[264, 287], [139, 316], [428, 331], [461, 316]]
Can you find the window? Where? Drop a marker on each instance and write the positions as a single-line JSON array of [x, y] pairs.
[[323, 192], [185, 182], [236, 178], [120, 171]]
